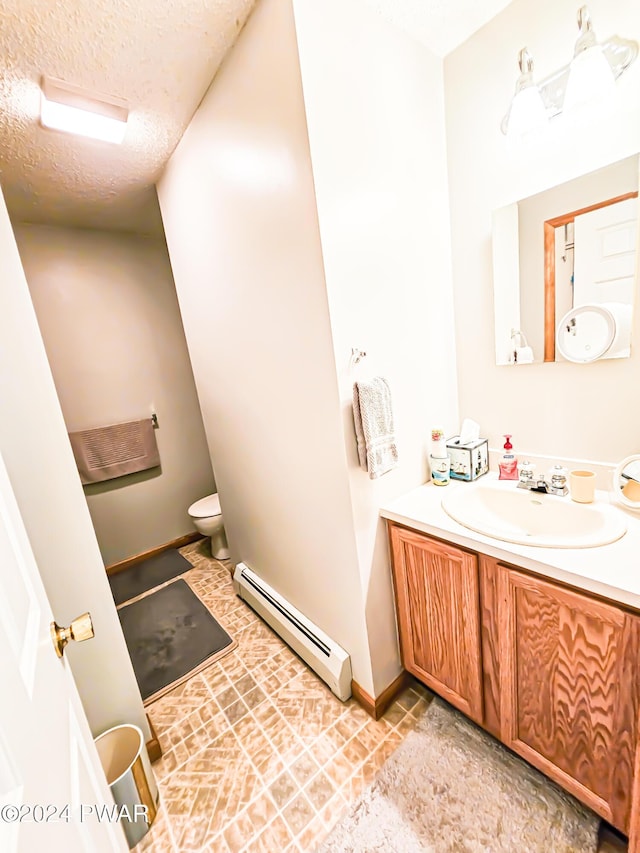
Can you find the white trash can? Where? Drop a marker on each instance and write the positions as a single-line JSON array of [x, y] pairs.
[[125, 761]]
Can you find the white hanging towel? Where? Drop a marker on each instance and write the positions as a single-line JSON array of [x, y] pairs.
[[373, 420]]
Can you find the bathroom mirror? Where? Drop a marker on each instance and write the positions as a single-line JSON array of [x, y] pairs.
[[626, 482], [564, 267]]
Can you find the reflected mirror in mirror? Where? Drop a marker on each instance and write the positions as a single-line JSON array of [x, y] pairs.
[[626, 482], [564, 264]]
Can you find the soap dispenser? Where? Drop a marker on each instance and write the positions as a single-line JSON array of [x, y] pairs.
[[508, 463]]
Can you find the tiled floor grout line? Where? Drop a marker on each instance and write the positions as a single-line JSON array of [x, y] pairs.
[[170, 831], [280, 810], [221, 711], [294, 767], [320, 772], [265, 789]]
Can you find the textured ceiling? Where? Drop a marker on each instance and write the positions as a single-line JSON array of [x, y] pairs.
[[160, 56]]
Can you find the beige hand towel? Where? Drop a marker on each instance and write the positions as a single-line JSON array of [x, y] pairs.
[[112, 451], [373, 421]]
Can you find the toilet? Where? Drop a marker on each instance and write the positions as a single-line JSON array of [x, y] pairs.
[[206, 516]]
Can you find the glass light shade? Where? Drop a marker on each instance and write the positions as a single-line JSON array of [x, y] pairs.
[[590, 79], [527, 113], [74, 120]]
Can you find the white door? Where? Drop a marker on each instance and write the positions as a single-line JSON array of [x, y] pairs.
[[605, 254], [52, 787]]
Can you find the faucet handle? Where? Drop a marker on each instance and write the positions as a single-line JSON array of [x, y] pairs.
[[558, 476], [525, 471]]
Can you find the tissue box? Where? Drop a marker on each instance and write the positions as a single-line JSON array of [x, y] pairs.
[[468, 461]]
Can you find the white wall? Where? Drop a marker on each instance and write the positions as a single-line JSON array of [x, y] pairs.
[[109, 317], [37, 453], [565, 410], [375, 114], [239, 213]]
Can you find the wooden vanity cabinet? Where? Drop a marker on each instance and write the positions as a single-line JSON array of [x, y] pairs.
[[439, 618], [551, 671], [569, 689]]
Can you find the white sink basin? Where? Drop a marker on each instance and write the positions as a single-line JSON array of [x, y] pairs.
[[503, 511]]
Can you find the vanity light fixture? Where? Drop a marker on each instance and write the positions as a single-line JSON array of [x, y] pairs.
[[590, 75], [527, 112], [74, 110]]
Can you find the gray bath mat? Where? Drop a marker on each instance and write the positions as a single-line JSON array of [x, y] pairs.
[[450, 787], [148, 574], [171, 635]]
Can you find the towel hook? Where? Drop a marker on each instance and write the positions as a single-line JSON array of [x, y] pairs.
[[357, 355], [154, 421]]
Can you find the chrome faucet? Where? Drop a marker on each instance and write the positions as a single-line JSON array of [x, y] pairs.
[[556, 485]]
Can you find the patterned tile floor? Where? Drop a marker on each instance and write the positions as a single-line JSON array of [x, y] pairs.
[[258, 755]]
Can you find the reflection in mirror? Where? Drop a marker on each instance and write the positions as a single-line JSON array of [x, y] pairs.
[[564, 264], [626, 482], [597, 246]]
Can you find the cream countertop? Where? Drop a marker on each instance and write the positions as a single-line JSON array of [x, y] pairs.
[[612, 571]]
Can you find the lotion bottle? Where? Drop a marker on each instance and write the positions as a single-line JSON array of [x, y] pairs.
[[439, 461], [508, 464]]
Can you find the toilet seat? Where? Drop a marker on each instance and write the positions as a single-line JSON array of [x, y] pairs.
[[205, 507]]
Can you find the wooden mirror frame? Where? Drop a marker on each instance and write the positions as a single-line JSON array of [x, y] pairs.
[[550, 226]]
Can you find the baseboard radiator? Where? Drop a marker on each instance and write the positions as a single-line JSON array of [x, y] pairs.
[[325, 657]]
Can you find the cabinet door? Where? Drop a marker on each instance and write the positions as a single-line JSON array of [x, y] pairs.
[[438, 614], [569, 697]]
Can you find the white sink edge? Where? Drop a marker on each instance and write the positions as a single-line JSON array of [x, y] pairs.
[[617, 523], [539, 542]]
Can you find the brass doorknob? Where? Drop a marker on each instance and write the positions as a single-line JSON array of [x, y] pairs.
[[79, 630]]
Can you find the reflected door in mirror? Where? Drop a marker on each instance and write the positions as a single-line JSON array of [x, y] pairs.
[[554, 252], [590, 257]]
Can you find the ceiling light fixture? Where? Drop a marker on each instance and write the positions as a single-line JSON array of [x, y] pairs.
[[74, 110], [590, 75]]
